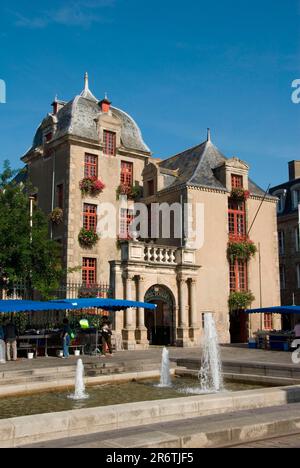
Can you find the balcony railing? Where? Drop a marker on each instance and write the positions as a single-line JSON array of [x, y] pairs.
[[160, 255]]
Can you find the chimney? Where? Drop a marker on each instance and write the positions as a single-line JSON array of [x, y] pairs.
[[294, 170], [105, 104], [57, 105]]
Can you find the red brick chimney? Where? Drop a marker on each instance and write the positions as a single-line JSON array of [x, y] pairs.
[[105, 104]]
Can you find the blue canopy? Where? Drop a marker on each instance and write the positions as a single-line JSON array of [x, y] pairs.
[[14, 306], [105, 304], [276, 310]]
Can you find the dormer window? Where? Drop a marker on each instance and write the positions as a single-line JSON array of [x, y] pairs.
[[281, 195], [295, 191], [109, 143], [237, 181], [48, 137]]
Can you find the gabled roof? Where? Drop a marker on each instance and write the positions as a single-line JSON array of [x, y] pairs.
[[196, 168]]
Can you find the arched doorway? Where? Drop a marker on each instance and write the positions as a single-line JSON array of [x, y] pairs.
[[161, 323]]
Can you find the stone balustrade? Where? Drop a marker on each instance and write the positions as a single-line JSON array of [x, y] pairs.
[[163, 255], [141, 252]]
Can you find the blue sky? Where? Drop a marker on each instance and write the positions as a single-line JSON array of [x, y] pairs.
[[176, 67]]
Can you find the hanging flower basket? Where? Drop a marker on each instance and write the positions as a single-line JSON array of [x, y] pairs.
[[87, 238], [57, 216], [240, 194], [243, 250], [129, 191], [91, 186], [240, 300]]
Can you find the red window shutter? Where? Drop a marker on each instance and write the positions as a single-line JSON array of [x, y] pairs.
[[268, 321], [89, 271], [90, 166], [237, 181], [237, 220], [90, 217], [238, 276], [109, 142], [127, 173], [125, 222]]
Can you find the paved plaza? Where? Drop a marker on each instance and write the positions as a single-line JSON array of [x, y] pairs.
[[238, 353]]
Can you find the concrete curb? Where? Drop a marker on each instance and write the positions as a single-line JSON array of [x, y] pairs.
[[17, 432], [66, 384]]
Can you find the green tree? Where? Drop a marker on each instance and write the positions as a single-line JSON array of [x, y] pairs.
[[26, 255]]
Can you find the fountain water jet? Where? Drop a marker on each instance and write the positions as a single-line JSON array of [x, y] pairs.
[[80, 393], [210, 375], [165, 377]]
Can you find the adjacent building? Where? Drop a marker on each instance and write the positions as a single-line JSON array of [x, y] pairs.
[[288, 195], [88, 154]]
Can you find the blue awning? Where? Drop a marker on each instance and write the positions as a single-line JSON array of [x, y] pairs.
[[15, 306], [106, 304], [275, 310]]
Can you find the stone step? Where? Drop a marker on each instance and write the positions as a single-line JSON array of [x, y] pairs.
[[202, 432]]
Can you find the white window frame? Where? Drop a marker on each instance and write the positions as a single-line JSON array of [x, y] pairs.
[[295, 201], [281, 195]]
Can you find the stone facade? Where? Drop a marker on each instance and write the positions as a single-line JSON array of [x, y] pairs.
[[184, 279], [289, 240]]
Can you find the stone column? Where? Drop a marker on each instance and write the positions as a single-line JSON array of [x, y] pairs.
[[195, 327], [128, 333], [183, 339], [141, 332]]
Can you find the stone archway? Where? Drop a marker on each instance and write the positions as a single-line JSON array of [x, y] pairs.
[[161, 324]]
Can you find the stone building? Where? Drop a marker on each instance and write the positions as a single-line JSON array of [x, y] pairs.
[[288, 194], [85, 140]]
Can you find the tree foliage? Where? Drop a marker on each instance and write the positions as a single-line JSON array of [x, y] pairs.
[[26, 255]]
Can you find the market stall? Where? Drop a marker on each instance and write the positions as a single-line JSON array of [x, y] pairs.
[[40, 341], [275, 340]]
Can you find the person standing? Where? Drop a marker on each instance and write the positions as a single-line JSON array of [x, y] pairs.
[[10, 335], [66, 338], [106, 338], [2, 346]]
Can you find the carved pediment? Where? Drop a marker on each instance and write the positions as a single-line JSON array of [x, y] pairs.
[[236, 163]]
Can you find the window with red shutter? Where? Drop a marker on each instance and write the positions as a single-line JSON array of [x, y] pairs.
[[126, 173], [237, 181], [90, 166], [90, 217], [89, 271], [268, 321], [126, 219], [238, 276], [237, 220], [109, 143]]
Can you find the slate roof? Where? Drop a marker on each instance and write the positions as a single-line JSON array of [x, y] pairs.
[[288, 203], [196, 166], [78, 116]]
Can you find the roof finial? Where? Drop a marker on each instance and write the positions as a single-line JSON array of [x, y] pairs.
[[86, 81], [208, 134]]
